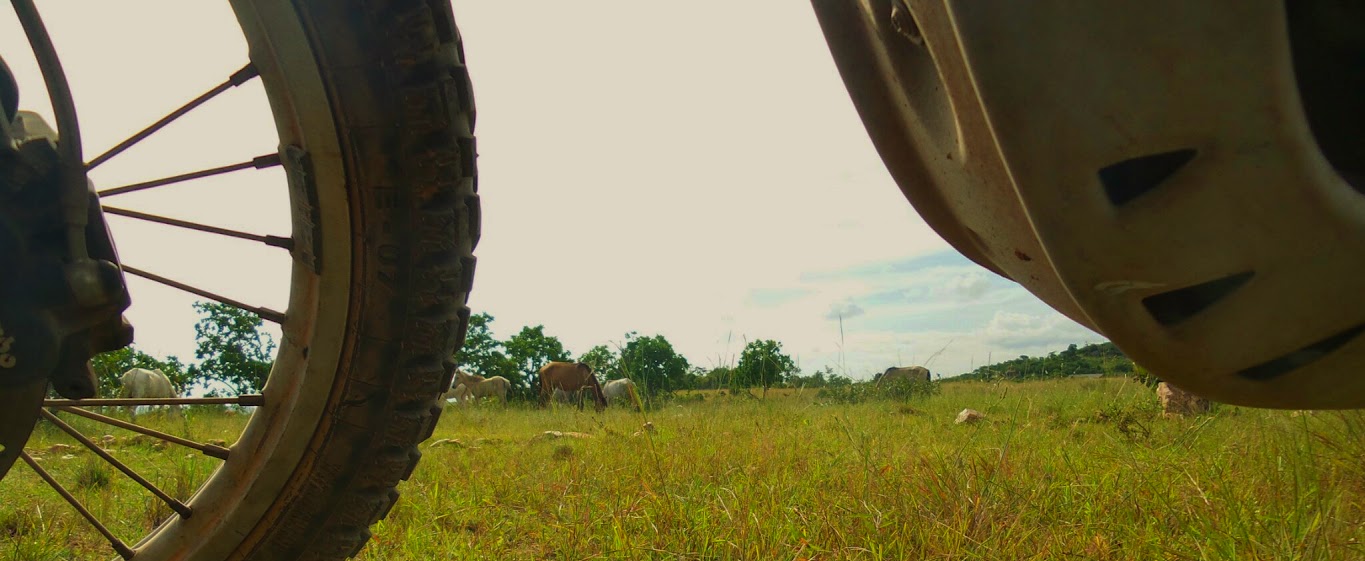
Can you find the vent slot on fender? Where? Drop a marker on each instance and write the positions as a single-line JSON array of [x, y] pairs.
[[1170, 308], [1130, 179], [1302, 357]]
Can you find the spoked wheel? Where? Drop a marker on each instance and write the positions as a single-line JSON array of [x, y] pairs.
[[374, 112]]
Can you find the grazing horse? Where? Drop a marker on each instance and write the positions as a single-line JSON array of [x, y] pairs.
[[478, 386], [144, 383], [618, 389], [913, 373], [562, 396], [569, 377], [459, 393]]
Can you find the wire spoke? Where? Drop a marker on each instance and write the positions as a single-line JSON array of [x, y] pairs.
[[265, 313], [208, 449], [58, 89], [248, 400], [236, 79], [118, 544], [273, 241], [177, 506], [259, 162], [73, 185]]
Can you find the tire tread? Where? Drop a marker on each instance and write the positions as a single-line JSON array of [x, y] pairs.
[[410, 61]]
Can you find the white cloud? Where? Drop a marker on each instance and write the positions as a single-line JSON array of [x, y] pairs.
[[968, 286], [844, 310], [1016, 331]]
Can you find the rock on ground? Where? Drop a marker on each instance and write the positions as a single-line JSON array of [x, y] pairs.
[[554, 434], [969, 416], [1176, 402], [447, 442]]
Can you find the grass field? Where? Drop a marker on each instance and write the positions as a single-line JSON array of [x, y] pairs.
[[1066, 469]]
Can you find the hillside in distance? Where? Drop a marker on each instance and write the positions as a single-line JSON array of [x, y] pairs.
[[1100, 358]]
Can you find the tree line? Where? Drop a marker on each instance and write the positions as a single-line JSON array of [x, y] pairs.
[[1101, 358], [235, 356], [649, 360]]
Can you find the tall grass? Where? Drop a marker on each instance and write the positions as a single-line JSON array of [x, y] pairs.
[[1062, 469], [1059, 469], [37, 525]]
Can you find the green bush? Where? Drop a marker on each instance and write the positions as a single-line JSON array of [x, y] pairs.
[[895, 390], [1132, 420], [1145, 377]]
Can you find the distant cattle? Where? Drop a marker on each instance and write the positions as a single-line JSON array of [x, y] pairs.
[[569, 377], [914, 373], [141, 383]]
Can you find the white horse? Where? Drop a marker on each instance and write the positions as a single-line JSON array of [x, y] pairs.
[[478, 386], [143, 383], [459, 393], [618, 389]]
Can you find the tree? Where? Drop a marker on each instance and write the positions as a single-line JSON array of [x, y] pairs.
[[1103, 358], [232, 349], [603, 361], [653, 364], [1070, 352], [716, 378], [481, 353], [819, 379], [109, 368], [527, 351], [694, 377], [763, 364]]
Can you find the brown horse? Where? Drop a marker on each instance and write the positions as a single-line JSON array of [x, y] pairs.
[[569, 377]]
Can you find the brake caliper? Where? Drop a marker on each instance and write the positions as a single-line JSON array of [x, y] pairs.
[[56, 312], [60, 302], [62, 292]]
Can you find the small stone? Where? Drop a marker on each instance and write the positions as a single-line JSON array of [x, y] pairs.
[[447, 442], [969, 416], [554, 434]]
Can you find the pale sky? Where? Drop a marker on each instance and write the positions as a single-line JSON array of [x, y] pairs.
[[694, 170]]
